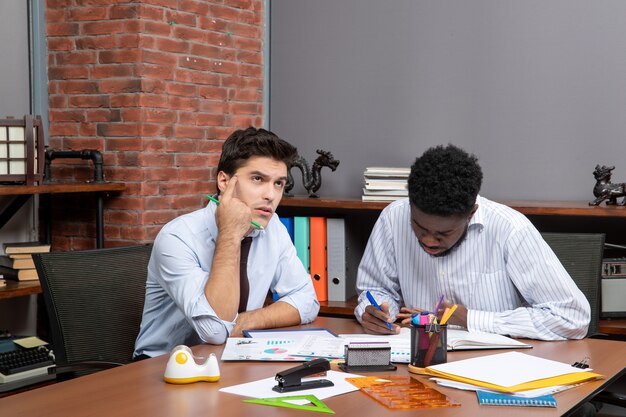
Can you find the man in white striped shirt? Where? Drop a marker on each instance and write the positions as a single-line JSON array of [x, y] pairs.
[[485, 257]]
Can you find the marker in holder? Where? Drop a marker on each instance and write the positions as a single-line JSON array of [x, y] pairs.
[[429, 344]]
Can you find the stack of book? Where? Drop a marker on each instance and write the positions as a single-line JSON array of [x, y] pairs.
[[385, 183], [18, 263]]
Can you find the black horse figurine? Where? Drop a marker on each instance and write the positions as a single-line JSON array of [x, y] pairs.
[[605, 190], [312, 177]]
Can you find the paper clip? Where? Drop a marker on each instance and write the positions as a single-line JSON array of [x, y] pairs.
[[584, 364]]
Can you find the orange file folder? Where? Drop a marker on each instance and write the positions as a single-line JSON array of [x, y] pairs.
[[319, 274]]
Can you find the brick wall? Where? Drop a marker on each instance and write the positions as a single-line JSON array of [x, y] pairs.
[[156, 86]]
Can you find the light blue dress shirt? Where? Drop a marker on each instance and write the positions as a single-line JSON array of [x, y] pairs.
[[176, 310], [504, 273]]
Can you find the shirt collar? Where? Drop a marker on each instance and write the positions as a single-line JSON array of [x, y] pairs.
[[478, 219]]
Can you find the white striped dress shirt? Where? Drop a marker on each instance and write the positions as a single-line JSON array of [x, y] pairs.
[[504, 273]]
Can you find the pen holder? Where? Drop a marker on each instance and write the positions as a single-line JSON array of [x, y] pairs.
[[428, 344]]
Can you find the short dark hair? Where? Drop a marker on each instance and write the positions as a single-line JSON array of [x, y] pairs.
[[241, 145], [445, 181]]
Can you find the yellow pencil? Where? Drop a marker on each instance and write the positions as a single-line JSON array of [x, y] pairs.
[[447, 314]]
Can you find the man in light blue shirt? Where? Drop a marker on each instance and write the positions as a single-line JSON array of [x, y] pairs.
[[485, 257], [193, 292]]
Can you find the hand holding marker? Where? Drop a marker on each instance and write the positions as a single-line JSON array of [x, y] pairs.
[[370, 297], [216, 201]]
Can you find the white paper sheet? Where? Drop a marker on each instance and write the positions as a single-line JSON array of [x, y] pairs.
[[263, 387]]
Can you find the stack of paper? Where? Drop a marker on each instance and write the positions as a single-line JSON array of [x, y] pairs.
[[511, 372], [385, 183]]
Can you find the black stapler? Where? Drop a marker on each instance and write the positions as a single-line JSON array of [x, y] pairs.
[[291, 379]]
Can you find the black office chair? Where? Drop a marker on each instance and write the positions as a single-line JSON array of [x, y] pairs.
[[581, 255], [94, 300]]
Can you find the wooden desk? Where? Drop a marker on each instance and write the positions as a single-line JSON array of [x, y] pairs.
[[19, 289], [24, 192], [138, 389]]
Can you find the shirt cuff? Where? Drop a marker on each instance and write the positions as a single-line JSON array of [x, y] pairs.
[[481, 321]]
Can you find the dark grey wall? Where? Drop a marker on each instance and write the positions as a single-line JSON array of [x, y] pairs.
[[536, 89]]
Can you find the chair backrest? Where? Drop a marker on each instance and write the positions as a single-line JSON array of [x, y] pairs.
[[94, 300], [581, 256]]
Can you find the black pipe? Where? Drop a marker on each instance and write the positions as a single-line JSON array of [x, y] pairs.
[[94, 155]]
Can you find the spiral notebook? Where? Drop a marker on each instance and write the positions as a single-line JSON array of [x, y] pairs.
[[494, 398]]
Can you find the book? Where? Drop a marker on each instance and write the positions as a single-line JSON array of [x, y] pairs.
[[381, 197], [386, 185], [496, 398], [8, 273], [27, 263], [464, 340], [27, 275], [23, 263], [319, 273], [26, 247], [387, 171], [398, 193]]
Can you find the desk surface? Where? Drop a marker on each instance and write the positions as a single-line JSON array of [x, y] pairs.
[[138, 389]]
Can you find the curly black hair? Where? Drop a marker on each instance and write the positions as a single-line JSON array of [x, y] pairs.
[[445, 181], [241, 145]]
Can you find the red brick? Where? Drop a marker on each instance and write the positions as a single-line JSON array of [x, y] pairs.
[[126, 144], [160, 58], [210, 120], [156, 130], [216, 107], [83, 143], [60, 44], [183, 103], [248, 44], [124, 11], [191, 160], [157, 217], [119, 86], [244, 108], [159, 202], [57, 101], [68, 73], [102, 28], [195, 63], [103, 115], [148, 12], [199, 7], [95, 42], [199, 174], [211, 23], [124, 100], [196, 77], [157, 115], [112, 71], [250, 57], [245, 31], [153, 100], [154, 86], [57, 129], [161, 174], [131, 114], [119, 56], [180, 18], [87, 13], [189, 34], [118, 129], [156, 159], [251, 70], [205, 51], [240, 4], [156, 71], [66, 116], [62, 29], [89, 101], [172, 45], [212, 92], [178, 89], [88, 129], [130, 41], [181, 145], [157, 28]]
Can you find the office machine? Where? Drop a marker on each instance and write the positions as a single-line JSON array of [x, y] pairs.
[[613, 288], [20, 367]]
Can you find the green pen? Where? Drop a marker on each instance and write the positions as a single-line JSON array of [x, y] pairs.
[[216, 201]]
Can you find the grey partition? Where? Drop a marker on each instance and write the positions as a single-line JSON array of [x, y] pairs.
[[535, 88]]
